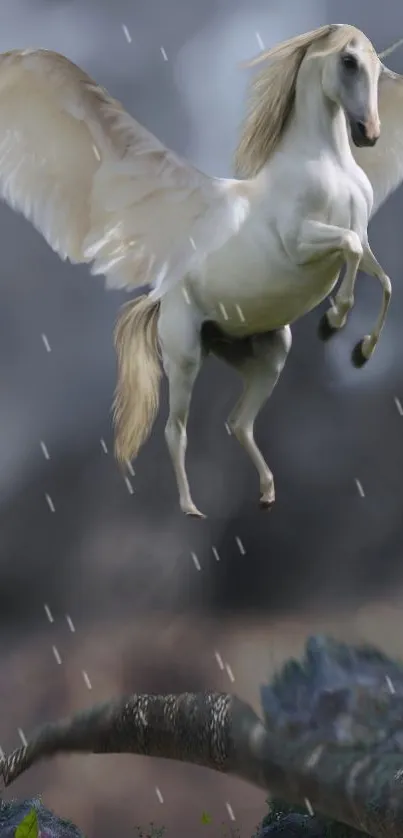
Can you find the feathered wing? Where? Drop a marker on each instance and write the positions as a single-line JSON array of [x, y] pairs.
[[97, 185], [383, 164]]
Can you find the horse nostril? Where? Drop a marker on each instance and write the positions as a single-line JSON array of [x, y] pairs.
[[362, 129]]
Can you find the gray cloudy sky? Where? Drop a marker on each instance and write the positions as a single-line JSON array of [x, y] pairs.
[[121, 564]]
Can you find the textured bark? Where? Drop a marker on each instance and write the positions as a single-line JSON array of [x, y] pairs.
[[210, 729], [331, 738]]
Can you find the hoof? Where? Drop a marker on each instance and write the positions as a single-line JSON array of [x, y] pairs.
[[357, 356], [266, 502], [325, 330], [193, 512]]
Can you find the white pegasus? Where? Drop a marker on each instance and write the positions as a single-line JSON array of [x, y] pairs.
[[230, 263]]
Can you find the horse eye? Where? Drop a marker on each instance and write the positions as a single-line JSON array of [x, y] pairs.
[[349, 62]]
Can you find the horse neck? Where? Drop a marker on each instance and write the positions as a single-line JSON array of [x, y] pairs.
[[317, 122]]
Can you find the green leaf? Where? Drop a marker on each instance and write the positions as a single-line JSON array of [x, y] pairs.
[[205, 818], [29, 827]]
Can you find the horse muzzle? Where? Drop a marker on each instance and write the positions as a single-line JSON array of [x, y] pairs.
[[364, 134]]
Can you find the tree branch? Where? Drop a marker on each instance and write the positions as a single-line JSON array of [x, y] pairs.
[[357, 784], [210, 729]]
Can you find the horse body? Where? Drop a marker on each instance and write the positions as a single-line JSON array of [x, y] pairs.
[[257, 282], [267, 291]]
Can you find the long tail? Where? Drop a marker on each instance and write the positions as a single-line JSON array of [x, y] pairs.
[[139, 374]]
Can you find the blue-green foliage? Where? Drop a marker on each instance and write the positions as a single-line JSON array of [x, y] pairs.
[[284, 821], [18, 815]]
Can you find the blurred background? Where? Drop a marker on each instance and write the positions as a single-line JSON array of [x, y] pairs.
[[105, 587]]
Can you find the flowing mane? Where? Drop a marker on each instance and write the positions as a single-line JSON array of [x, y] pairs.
[[273, 93]]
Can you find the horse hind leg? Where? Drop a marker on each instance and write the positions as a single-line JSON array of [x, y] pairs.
[[179, 334], [260, 370]]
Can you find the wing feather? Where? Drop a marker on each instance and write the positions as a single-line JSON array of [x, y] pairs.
[[99, 186], [383, 164]]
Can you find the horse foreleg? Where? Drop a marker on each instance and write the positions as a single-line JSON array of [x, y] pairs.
[[335, 317], [317, 238], [260, 373], [179, 334], [366, 346]]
